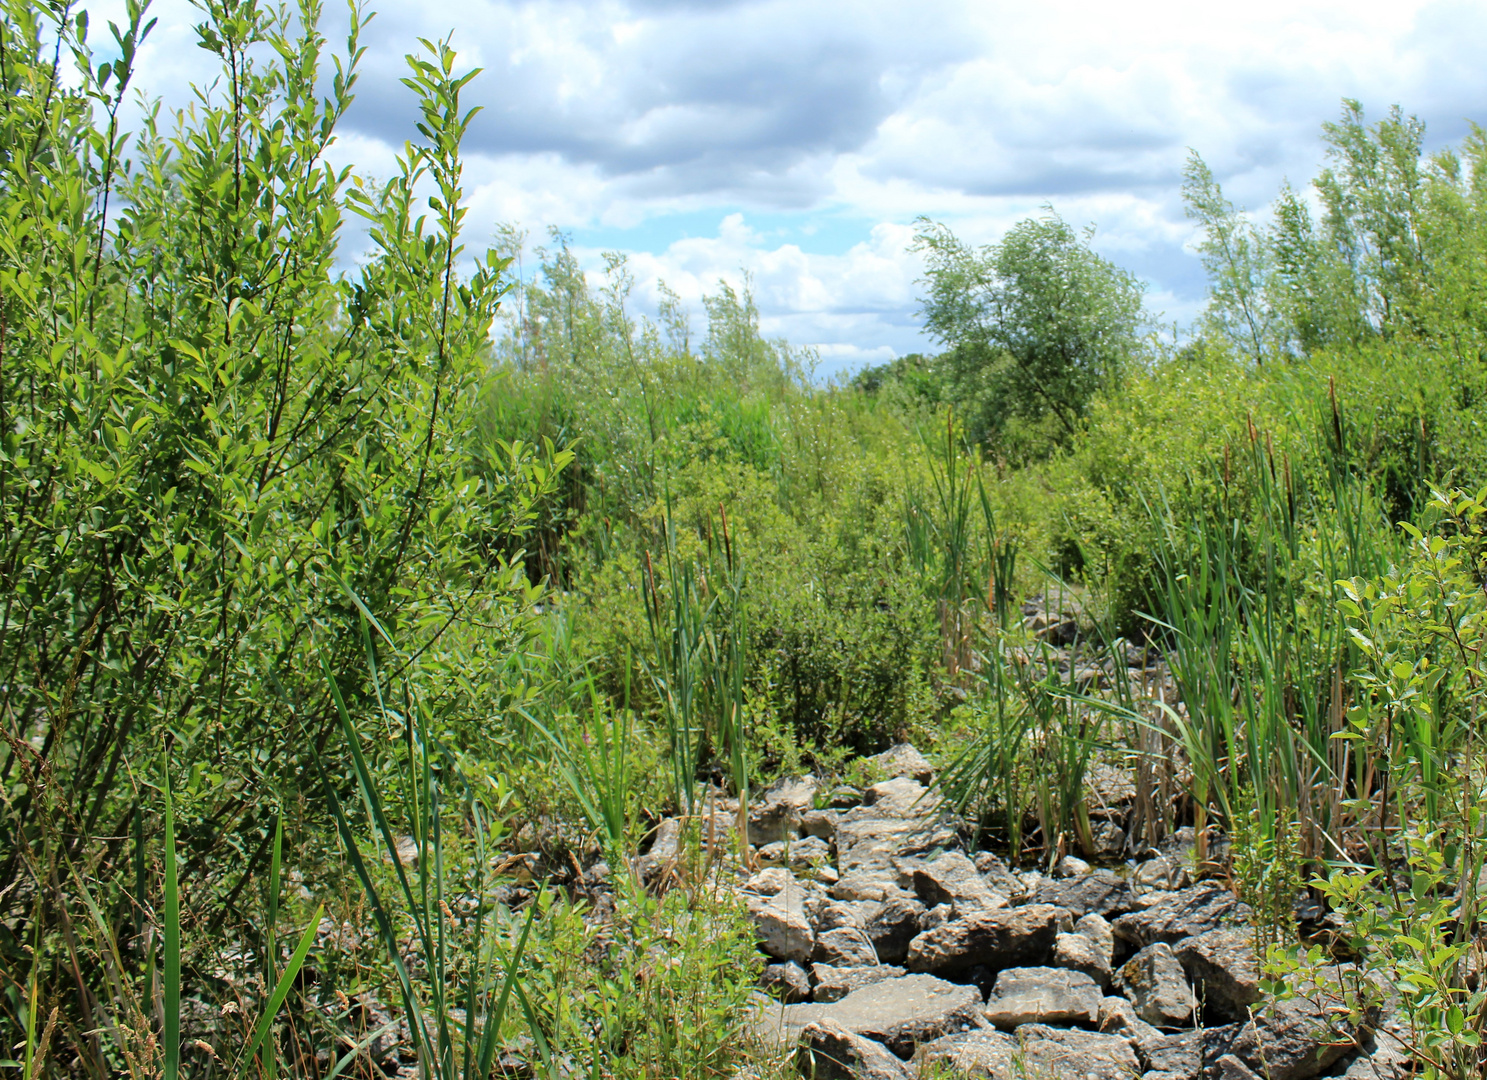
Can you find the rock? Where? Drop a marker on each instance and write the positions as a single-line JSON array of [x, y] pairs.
[[770, 881], [828, 1051], [904, 761], [782, 926], [898, 818], [1109, 839], [845, 797], [899, 920], [1222, 967], [1186, 913], [845, 946], [1050, 1053], [1293, 1040], [1053, 629], [1042, 995], [670, 839], [1078, 953], [1100, 891], [1111, 788], [1000, 878], [834, 983], [1186, 1055], [799, 854], [1163, 872], [938, 916], [820, 823], [788, 981], [903, 1012], [775, 813], [899, 1012], [1387, 1059], [1230, 1067], [1097, 929], [952, 878], [1157, 986], [1118, 1017], [901, 797], [1012, 937], [1070, 866], [875, 883], [664, 848], [831, 914], [971, 1053]]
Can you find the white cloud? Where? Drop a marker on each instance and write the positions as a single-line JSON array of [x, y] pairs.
[[621, 116]]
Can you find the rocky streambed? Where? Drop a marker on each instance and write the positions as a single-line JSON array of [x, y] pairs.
[[894, 952]]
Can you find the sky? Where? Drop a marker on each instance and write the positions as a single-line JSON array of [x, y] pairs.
[[796, 141]]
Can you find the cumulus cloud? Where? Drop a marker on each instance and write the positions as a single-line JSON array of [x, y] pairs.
[[616, 119]]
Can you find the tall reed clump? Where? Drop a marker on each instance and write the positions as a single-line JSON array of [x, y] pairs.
[[466, 976], [1035, 730], [1256, 647], [698, 627], [952, 541]]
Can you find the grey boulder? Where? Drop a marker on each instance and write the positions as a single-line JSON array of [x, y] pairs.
[[900, 1013], [1012, 937], [775, 813], [1100, 891], [1177, 915], [834, 983], [1293, 1040], [828, 1051], [789, 982], [1185, 1055], [1118, 1017], [1078, 953], [1051, 1053], [1223, 969], [1097, 929], [845, 946], [904, 760], [781, 924], [951, 878], [972, 1053], [898, 921], [1157, 986], [1042, 995]]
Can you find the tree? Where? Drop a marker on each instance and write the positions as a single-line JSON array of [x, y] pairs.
[[1034, 325], [1239, 264]]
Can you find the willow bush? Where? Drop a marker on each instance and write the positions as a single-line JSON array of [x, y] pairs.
[[218, 452]]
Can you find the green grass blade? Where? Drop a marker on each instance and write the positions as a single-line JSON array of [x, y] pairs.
[[498, 1014], [379, 912], [171, 1034], [358, 1049], [366, 785], [281, 991], [543, 1049]]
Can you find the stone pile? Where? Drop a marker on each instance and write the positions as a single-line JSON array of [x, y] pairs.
[[894, 953]]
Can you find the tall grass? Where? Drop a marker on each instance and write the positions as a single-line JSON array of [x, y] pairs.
[[952, 541], [456, 1007], [698, 627], [1256, 645]]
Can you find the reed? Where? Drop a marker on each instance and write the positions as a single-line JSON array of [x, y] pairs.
[[698, 626], [456, 1007]]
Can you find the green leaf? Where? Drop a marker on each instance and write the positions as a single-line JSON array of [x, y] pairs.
[[281, 990]]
